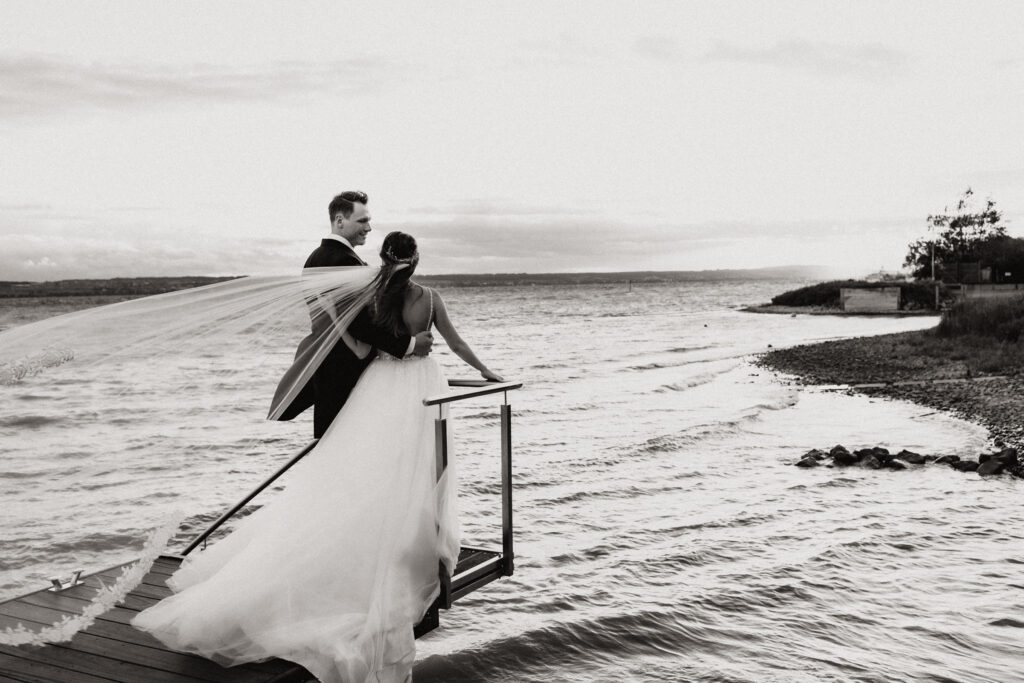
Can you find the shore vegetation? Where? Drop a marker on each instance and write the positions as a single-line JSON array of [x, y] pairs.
[[1001, 320]]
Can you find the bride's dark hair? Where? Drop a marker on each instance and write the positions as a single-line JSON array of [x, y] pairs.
[[399, 257]]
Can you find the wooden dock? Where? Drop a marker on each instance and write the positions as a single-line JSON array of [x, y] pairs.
[[111, 650]]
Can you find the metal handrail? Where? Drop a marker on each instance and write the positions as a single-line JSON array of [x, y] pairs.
[[255, 492], [472, 388]]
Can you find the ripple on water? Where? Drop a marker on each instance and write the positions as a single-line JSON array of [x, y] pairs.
[[838, 482], [94, 543], [30, 421], [575, 645]]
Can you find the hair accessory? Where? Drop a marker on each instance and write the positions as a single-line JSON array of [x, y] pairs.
[[390, 255]]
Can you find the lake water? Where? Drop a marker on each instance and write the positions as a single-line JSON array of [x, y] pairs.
[[662, 533]]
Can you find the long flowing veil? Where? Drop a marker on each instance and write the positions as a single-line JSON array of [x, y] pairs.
[[114, 419]]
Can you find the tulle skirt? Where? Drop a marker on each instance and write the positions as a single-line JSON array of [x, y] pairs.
[[334, 572]]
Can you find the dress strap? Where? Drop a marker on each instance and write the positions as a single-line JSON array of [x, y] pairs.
[[430, 318]]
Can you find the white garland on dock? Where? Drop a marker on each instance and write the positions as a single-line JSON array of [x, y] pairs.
[[106, 598]]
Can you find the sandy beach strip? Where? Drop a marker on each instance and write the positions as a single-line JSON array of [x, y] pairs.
[[915, 366]]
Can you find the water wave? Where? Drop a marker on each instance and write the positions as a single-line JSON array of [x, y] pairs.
[[30, 421], [688, 349], [697, 434], [576, 645], [692, 382]]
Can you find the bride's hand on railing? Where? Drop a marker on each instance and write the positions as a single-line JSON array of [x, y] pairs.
[[491, 376]]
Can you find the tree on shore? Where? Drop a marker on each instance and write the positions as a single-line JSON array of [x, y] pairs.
[[956, 237], [1005, 255]]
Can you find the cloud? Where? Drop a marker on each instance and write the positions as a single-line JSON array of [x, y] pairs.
[[564, 242], [1006, 176], [478, 236], [455, 244], [35, 85], [34, 256], [563, 50], [826, 58], [475, 208], [658, 47]]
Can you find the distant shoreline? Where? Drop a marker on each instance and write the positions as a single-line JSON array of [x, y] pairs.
[[146, 286], [825, 310], [126, 287]]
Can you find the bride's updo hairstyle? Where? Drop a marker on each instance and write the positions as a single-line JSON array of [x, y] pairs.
[[399, 257]]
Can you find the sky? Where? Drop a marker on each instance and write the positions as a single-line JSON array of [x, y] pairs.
[[145, 138]]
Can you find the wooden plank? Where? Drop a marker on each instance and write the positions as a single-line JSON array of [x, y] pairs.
[[190, 665], [470, 557], [92, 584], [114, 638], [166, 564], [151, 579], [111, 645], [76, 603], [94, 665], [481, 567], [121, 641], [48, 616], [28, 671], [12, 622], [74, 600], [147, 650], [477, 584], [296, 674], [113, 624], [158, 581], [19, 609], [104, 626], [143, 590]]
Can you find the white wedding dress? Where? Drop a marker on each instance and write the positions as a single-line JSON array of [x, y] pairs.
[[334, 572]]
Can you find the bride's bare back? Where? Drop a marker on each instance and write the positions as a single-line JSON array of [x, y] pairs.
[[417, 308], [423, 307]]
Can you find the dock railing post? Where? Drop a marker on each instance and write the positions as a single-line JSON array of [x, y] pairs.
[[506, 489], [441, 464]]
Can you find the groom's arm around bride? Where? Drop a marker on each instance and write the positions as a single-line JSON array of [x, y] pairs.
[[334, 380]]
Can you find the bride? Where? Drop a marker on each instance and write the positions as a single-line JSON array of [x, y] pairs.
[[334, 573]]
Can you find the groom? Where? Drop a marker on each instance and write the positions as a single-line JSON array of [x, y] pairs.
[[335, 378]]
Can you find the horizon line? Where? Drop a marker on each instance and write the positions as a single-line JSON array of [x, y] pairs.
[[442, 275]]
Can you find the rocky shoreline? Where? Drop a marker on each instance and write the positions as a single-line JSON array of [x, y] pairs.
[[1005, 460], [913, 366]]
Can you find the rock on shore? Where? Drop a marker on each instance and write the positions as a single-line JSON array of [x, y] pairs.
[[1004, 461]]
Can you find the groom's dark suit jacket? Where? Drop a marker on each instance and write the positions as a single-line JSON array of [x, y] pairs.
[[335, 378]]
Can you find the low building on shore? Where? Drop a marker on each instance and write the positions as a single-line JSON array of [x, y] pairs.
[[870, 300]]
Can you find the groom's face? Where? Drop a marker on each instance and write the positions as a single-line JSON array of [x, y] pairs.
[[356, 226]]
